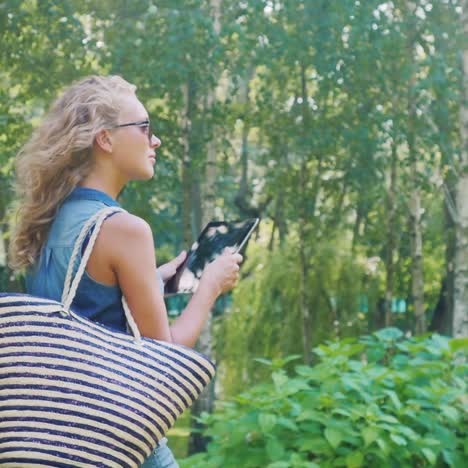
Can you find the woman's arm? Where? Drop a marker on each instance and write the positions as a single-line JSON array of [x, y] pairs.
[[219, 277], [124, 255]]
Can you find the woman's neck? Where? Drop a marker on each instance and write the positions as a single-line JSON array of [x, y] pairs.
[[103, 185]]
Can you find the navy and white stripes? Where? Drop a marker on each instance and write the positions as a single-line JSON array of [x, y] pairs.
[[73, 393]]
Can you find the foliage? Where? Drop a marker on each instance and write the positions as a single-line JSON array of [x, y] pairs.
[[265, 318], [379, 401], [312, 102], [310, 97]]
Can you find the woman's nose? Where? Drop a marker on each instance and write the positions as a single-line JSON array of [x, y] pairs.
[[155, 142]]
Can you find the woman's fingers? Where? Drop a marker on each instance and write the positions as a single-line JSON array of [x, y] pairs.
[[179, 259], [168, 270]]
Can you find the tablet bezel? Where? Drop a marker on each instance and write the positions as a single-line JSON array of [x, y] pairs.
[[210, 225]]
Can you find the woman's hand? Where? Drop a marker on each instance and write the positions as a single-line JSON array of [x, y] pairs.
[[168, 270], [221, 275]]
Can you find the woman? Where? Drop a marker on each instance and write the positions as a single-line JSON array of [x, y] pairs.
[[95, 139]]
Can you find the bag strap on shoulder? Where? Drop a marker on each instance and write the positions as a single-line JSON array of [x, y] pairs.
[[71, 283]]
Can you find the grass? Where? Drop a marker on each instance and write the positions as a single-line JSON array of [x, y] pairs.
[[178, 436]]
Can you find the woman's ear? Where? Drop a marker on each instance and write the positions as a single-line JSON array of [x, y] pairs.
[[104, 140]]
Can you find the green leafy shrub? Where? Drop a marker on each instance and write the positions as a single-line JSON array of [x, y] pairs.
[[381, 401], [267, 318]]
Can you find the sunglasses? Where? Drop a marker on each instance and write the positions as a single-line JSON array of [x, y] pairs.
[[146, 124]]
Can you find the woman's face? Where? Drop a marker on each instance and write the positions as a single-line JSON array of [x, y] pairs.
[[133, 149]]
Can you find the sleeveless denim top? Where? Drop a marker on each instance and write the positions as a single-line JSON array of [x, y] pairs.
[[96, 301]]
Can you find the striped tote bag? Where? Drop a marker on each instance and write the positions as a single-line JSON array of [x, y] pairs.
[[76, 394]]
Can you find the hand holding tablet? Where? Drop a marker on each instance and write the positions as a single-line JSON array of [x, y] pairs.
[[212, 242]]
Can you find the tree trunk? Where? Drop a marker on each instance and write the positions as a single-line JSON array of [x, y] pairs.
[[304, 268], [197, 208], [279, 228], [417, 285], [3, 247], [303, 257], [391, 233], [243, 186], [186, 168], [442, 320], [460, 309], [209, 189], [243, 196], [205, 402], [415, 209], [445, 321], [357, 225], [278, 221], [245, 101]]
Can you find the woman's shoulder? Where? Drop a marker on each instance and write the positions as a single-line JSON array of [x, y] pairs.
[[123, 239], [127, 224], [124, 230]]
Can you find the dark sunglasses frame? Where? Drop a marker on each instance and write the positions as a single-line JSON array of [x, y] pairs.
[[143, 123]]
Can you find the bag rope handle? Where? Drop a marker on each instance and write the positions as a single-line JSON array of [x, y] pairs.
[[71, 286]]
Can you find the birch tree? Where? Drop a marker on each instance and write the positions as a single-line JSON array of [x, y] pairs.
[[460, 310], [205, 342], [415, 205]]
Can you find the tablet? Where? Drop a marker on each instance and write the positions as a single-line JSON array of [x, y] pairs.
[[211, 243]]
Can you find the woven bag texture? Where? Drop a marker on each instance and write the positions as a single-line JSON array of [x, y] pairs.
[[75, 394]]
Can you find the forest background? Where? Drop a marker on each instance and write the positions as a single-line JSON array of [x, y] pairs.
[[341, 124]]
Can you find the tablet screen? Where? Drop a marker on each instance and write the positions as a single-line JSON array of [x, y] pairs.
[[216, 236]]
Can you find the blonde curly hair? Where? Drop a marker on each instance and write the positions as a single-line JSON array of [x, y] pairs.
[[58, 157]]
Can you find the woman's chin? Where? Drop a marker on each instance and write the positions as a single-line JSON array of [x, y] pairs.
[[142, 176]]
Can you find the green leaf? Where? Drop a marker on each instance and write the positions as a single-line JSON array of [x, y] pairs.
[[333, 436], [350, 383], [398, 440], [304, 371], [279, 378], [354, 459], [431, 441], [388, 418], [288, 423], [389, 334], [312, 415], [267, 362], [275, 449], [317, 445], [394, 397], [267, 422], [448, 457], [387, 427], [341, 411], [421, 403], [430, 455], [459, 459], [297, 461], [281, 362], [408, 432], [447, 438], [383, 445], [456, 344], [310, 427], [353, 349], [451, 413], [369, 434], [279, 464], [339, 461]]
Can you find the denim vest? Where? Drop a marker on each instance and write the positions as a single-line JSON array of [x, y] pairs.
[[96, 301]]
